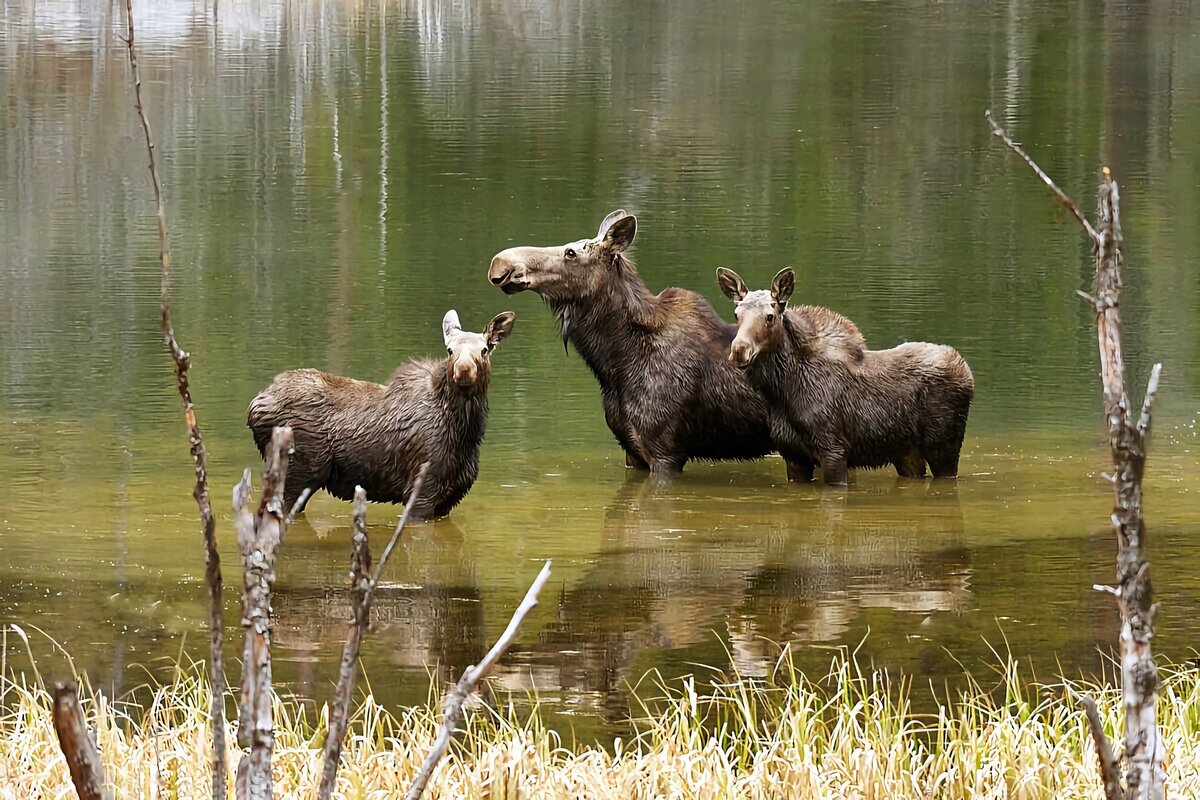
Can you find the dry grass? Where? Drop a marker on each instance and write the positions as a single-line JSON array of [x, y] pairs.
[[849, 734]]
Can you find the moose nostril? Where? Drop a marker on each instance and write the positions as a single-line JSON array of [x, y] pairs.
[[496, 279]]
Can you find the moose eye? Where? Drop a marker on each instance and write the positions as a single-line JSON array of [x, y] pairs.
[[449, 351], [570, 254], [770, 318], [485, 350]]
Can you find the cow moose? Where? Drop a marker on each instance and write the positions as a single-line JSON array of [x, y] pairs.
[[670, 393], [350, 432], [835, 403]]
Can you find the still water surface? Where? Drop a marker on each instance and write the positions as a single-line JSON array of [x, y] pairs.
[[339, 174]]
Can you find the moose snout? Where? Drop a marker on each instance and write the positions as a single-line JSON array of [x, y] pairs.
[[507, 271], [498, 272], [742, 352], [464, 374]]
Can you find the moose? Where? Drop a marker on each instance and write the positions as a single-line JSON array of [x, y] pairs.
[[836, 404], [669, 392], [350, 432]]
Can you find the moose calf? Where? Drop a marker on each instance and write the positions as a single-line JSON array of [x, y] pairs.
[[836, 404], [350, 432]]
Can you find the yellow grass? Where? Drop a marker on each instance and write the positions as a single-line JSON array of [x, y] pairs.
[[847, 734]]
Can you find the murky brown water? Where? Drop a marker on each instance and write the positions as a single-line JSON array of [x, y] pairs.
[[339, 174]]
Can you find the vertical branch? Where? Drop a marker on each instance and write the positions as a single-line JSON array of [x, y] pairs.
[[1145, 776], [362, 587], [258, 538], [452, 709], [181, 359], [87, 773]]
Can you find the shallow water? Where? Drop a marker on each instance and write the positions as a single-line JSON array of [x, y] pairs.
[[339, 174]]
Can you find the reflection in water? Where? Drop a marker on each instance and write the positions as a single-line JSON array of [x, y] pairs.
[[653, 587]]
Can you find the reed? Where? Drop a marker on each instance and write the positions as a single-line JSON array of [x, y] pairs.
[[850, 733]]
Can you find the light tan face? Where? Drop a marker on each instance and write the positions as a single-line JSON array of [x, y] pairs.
[[759, 314], [469, 354], [564, 272]]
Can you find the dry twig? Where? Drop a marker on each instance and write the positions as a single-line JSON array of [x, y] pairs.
[[452, 708], [181, 359], [1145, 775], [362, 587], [258, 538], [87, 773]]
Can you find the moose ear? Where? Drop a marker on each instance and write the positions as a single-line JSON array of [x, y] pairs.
[[783, 285], [450, 324], [731, 284], [499, 328], [608, 221], [620, 233]]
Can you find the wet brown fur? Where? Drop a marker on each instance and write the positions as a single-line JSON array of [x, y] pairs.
[[350, 432], [669, 392], [839, 405]]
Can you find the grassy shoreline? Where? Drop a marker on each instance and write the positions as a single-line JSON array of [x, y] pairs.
[[848, 734]]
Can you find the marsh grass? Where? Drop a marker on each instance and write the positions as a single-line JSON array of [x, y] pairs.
[[850, 733]]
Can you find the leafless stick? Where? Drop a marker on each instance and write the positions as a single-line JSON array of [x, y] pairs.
[[1109, 771], [469, 683], [362, 589], [412, 500], [87, 773], [212, 558], [296, 506], [258, 538], [1145, 776], [1062, 196]]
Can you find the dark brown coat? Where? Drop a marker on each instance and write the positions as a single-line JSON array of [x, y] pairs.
[[838, 405], [350, 432], [669, 392]]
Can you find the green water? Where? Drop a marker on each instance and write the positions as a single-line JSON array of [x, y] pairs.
[[339, 174]]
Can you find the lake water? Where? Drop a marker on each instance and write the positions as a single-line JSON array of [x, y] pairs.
[[339, 174]]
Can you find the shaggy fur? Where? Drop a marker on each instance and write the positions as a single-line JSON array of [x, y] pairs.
[[669, 391], [836, 404], [350, 432]]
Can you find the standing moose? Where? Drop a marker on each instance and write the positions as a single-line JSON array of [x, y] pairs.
[[350, 432], [670, 394], [835, 403]]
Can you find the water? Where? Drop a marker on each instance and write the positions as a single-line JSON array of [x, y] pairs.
[[338, 174]]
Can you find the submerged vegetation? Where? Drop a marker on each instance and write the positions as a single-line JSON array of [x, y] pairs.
[[851, 733]]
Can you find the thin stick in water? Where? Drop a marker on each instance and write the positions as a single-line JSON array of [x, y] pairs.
[[181, 359], [469, 683]]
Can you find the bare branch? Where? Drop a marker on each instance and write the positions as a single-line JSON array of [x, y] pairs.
[[258, 538], [412, 501], [469, 683], [1062, 196], [1109, 771], [362, 590], [296, 506], [87, 773], [212, 558], [1143, 424]]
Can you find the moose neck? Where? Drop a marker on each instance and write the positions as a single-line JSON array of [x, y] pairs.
[[606, 325], [466, 411], [789, 365]]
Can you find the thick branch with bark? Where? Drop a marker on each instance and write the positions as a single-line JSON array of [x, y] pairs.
[[362, 588], [83, 761], [1145, 775], [258, 537], [212, 559], [452, 708]]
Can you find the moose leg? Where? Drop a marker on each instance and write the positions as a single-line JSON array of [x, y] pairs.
[[834, 469], [634, 461], [911, 464], [944, 463], [799, 470]]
